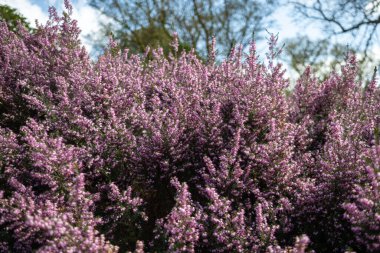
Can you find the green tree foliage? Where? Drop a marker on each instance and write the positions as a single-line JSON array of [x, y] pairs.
[[136, 24], [151, 36], [12, 18]]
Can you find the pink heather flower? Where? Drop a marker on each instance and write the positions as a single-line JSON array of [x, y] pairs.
[[147, 153]]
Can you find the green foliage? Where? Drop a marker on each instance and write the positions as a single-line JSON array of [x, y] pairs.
[[12, 18], [135, 24], [153, 37]]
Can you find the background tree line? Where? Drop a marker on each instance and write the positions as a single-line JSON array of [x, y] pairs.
[[137, 24]]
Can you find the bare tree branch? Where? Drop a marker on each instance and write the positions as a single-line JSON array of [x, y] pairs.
[[344, 16]]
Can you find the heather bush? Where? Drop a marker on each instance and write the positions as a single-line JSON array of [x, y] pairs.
[[171, 154]]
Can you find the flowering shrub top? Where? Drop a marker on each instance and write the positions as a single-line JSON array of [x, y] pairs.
[[175, 155]]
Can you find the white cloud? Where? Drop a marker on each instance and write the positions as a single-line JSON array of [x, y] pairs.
[[88, 18], [376, 52], [51, 2], [373, 6], [29, 10]]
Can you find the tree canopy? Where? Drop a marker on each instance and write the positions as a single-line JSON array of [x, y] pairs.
[[196, 21], [12, 17]]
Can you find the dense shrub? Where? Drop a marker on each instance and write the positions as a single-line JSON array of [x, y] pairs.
[[174, 155]]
